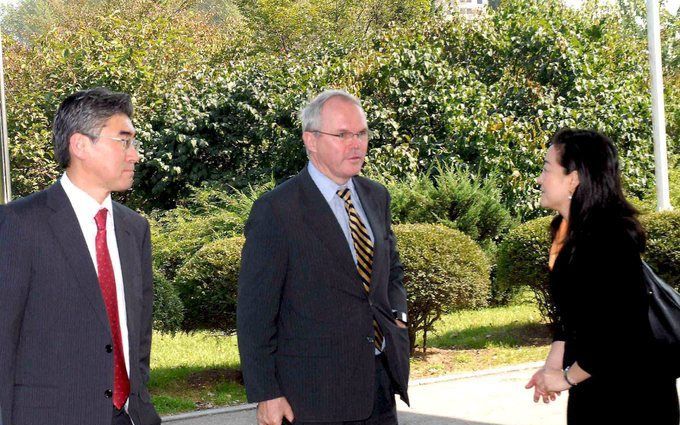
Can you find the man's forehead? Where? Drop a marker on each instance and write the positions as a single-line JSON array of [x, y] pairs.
[[333, 107], [337, 102], [121, 123]]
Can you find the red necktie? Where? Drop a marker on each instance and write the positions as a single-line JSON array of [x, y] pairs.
[[107, 282]]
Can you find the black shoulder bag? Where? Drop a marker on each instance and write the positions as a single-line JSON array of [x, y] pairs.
[[664, 317]]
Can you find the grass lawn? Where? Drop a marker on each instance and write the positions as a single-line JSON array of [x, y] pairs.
[[481, 339], [201, 370], [194, 371]]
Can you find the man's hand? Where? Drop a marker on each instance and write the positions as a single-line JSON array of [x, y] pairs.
[[272, 412], [400, 324]]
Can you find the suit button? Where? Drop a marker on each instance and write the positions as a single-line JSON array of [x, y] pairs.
[[108, 393], [109, 348]]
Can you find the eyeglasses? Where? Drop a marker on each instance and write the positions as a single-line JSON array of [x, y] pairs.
[[347, 136], [126, 142]]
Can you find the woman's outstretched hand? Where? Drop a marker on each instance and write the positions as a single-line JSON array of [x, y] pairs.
[[546, 384]]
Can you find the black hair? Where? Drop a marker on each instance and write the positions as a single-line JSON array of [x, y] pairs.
[[598, 200], [85, 112]]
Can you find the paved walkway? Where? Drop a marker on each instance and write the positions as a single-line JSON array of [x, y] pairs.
[[493, 397]]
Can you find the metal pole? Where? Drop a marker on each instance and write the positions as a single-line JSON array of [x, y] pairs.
[[5, 182], [658, 119]]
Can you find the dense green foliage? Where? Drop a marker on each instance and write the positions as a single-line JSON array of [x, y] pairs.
[[444, 271], [648, 203], [144, 48], [206, 216], [285, 26], [220, 107], [208, 286], [430, 96]]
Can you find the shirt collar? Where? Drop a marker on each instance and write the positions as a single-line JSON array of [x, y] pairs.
[[327, 186], [85, 206]]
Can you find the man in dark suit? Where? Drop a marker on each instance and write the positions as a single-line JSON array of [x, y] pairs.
[[76, 280], [321, 306]]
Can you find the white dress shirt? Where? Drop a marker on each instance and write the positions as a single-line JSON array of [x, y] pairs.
[[86, 208]]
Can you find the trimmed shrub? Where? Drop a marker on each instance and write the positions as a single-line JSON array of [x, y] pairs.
[[168, 311], [208, 214], [523, 261], [663, 245], [523, 256], [181, 235], [444, 270], [456, 199], [208, 285]]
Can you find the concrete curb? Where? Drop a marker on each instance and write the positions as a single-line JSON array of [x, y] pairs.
[[475, 374], [210, 412], [415, 382]]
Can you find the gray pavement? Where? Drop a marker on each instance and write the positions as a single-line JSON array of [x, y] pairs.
[[492, 397]]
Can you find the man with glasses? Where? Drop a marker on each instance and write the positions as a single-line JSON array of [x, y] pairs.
[[76, 280], [321, 310]]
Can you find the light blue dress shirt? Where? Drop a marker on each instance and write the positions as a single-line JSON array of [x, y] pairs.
[[329, 190]]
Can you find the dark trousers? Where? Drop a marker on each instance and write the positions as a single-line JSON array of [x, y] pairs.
[[384, 406], [120, 417]]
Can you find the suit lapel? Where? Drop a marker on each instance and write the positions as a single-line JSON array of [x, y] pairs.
[[129, 263], [68, 233], [320, 217]]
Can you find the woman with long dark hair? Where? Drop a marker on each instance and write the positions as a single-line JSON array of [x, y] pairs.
[[603, 351]]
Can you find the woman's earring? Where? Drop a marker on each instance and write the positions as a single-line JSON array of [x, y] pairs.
[[569, 197]]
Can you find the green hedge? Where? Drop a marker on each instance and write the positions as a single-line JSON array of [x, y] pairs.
[[523, 255], [208, 214], [208, 286], [168, 311], [454, 198], [522, 260], [444, 270], [663, 245], [176, 242]]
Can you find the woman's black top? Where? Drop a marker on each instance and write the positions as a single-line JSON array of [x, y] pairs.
[[601, 304]]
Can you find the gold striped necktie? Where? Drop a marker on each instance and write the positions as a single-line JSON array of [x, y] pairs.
[[364, 251]]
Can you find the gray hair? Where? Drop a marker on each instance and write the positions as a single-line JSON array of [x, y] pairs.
[[310, 115], [85, 112]]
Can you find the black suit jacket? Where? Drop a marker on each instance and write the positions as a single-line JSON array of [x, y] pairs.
[[54, 331], [304, 320]]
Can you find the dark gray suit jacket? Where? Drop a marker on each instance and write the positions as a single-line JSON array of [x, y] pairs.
[[55, 364], [304, 320]]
